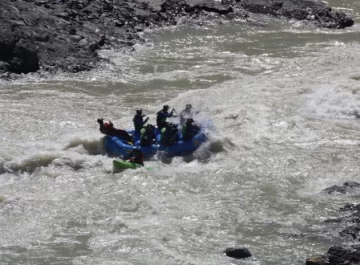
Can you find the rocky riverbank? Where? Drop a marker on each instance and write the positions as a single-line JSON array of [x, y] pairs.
[[349, 231], [52, 35]]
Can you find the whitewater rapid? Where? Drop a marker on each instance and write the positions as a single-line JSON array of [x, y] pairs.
[[282, 99]]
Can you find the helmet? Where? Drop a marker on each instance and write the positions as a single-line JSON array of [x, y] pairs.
[[165, 107], [150, 126], [189, 120], [188, 106], [139, 111]]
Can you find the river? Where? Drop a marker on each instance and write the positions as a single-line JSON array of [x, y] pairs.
[[282, 97]]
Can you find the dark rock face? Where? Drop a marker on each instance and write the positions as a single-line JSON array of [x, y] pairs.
[[4, 67], [65, 35], [343, 255], [350, 231], [301, 10], [350, 207], [352, 220], [18, 53], [347, 187], [238, 253]]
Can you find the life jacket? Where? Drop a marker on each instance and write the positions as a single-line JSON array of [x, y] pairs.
[[138, 122], [189, 130], [169, 136], [147, 136], [161, 117]]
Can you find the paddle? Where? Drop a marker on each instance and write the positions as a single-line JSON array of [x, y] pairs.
[[177, 114]]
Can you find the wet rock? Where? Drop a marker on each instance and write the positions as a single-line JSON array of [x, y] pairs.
[[41, 38], [333, 189], [337, 255], [238, 253], [209, 6], [4, 67], [347, 187], [343, 255], [302, 10], [351, 232], [83, 42], [72, 31], [352, 184], [350, 207], [76, 37], [316, 260], [352, 218], [63, 15], [343, 20], [24, 58], [95, 46]]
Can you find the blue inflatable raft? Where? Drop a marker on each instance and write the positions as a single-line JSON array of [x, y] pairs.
[[119, 148]]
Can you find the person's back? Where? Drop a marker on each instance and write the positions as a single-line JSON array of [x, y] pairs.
[[190, 129], [147, 137], [161, 119], [105, 127], [186, 113], [138, 120], [108, 129], [123, 135], [169, 135]]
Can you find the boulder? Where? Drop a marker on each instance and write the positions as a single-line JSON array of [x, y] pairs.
[[343, 255], [350, 207], [238, 253], [351, 232], [316, 260], [4, 67], [316, 11], [25, 58], [347, 187]]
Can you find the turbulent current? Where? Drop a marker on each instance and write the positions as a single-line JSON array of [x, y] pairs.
[[283, 99]]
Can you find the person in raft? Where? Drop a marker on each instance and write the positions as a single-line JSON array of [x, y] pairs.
[[190, 129], [186, 113], [139, 121], [147, 135], [169, 134], [162, 115], [136, 156], [108, 128]]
